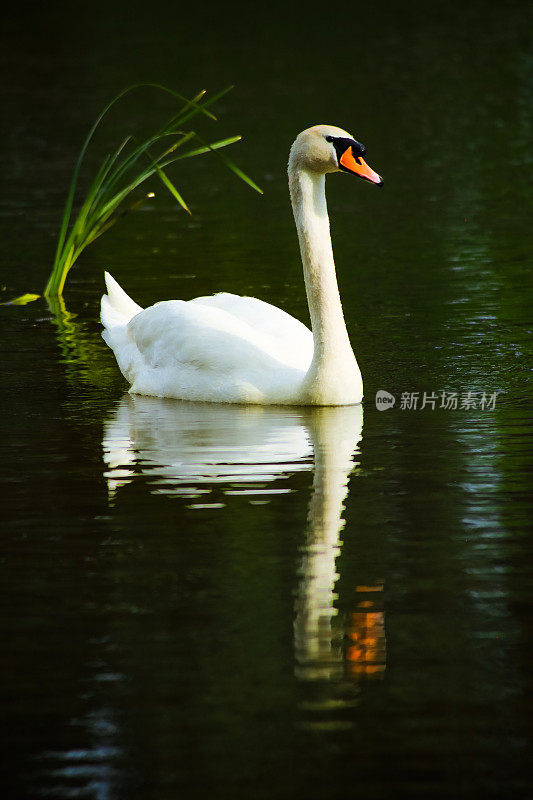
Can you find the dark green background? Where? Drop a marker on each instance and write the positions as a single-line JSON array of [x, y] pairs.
[[148, 646]]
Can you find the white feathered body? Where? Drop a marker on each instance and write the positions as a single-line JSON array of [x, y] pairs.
[[222, 348], [230, 349]]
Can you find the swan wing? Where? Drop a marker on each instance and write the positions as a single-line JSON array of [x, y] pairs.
[[292, 340], [221, 348], [196, 351]]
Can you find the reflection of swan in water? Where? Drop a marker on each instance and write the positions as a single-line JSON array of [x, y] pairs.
[[334, 440], [360, 645], [187, 448]]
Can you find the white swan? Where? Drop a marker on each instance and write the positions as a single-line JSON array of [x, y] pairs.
[[232, 349]]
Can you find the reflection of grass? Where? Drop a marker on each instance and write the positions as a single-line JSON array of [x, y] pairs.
[[81, 348], [122, 172]]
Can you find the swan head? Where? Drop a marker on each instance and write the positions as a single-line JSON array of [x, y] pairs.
[[325, 148]]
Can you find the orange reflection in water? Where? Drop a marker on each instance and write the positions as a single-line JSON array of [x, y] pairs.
[[366, 651]]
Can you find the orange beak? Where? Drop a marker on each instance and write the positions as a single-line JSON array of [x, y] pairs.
[[359, 167]]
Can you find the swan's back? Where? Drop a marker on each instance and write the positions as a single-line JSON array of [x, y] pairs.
[[222, 348]]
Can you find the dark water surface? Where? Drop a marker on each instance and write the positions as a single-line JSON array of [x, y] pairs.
[[204, 601]]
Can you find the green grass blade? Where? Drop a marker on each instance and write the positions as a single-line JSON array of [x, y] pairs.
[[70, 197], [186, 137], [104, 225], [117, 198], [229, 163], [178, 119], [128, 163], [121, 173], [198, 151], [172, 189], [237, 170], [22, 300], [170, 123], [74, 181]]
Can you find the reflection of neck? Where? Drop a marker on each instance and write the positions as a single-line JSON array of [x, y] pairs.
[[335, 433]]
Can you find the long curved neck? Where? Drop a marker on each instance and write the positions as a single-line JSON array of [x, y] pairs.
[[308, 197]]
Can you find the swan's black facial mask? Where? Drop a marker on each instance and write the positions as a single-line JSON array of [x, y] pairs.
[[349, 158], [341, 144]]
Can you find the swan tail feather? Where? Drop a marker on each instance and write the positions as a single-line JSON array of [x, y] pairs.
[[117, 308]]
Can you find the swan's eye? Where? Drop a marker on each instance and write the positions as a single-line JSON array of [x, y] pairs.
[[329, 138]]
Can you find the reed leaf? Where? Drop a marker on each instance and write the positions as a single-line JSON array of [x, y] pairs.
[[122, 173], [172, 189], [232, 166], [22, 300]]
